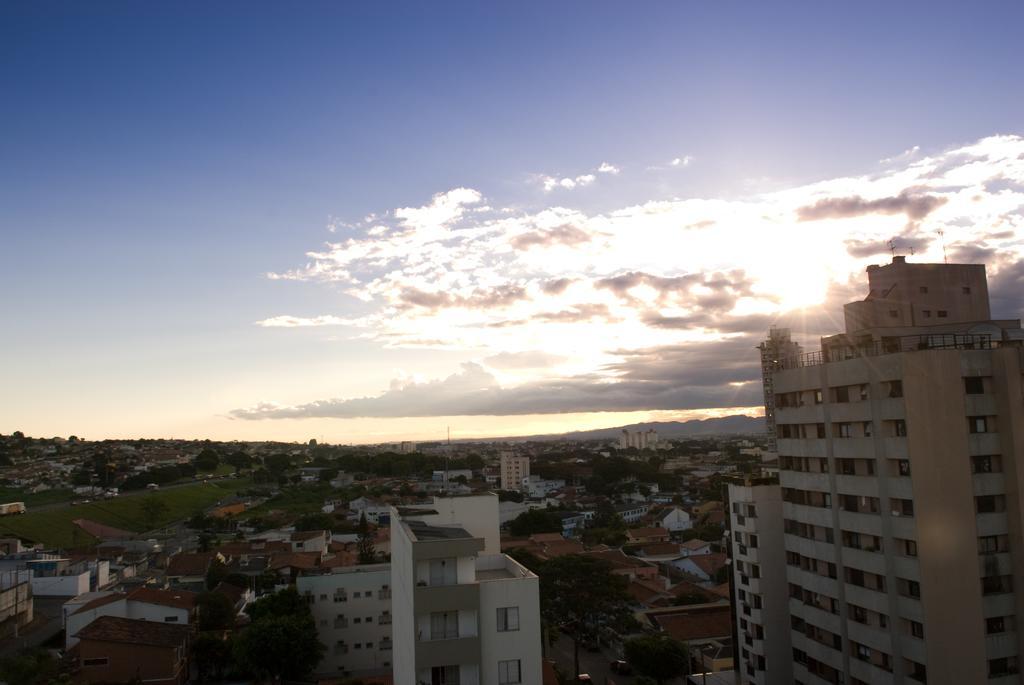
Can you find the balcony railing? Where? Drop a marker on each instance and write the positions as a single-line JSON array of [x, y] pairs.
[[895, 345]]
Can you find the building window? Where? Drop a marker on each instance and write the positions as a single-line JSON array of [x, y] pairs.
[[979, 424], [996, 624], [924, 290], [99, 661], [817, 397], [986, 463], [508, 619], [993, 544], [903, 467], [996, 585], [908, 588], [990, 504], [943, 313], [998, 668], [894, 313], [444, 675], [927, 313], [966, 290], [974, 385], [170, 619], [444, 625], [508, 672], [895, 389]]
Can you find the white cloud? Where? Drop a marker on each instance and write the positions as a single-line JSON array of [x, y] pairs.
[[590, 287], [607, 168], [551, 183], [300, 322], [681, 161]]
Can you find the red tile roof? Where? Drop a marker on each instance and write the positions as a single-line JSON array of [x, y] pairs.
[[697, 622], [179, 599], [100, 601], [130, 631], [189, 564]]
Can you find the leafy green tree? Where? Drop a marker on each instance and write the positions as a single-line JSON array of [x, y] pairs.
[[364, 543], [318, 521], [287, 602], [212, 654], [578, 593], [208, 460], [240, 460], [216, 611], [535, 521], [216, 573], [153, 510], [28, 668], [279, 647], [657, 656]]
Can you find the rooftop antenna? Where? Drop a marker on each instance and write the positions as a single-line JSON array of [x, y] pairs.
[[892, 247], [942, 239]]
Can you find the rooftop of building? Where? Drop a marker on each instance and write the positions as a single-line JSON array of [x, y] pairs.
[[135, 632], [424, 531]]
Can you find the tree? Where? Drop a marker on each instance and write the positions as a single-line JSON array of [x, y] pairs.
[[287, 602], [208, 460], [153, 509], [364, 543], [534, 521], [281, 647], [282, 640], [28, 668], [578, 593], [240, 460], [216, 573], [216, 611], [657, 656], [212, 653], [316, 521]]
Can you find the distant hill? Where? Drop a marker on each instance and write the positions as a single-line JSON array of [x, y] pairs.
[[726, 425]]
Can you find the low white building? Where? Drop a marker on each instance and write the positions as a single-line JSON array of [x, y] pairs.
[[352, 610], [537, 487], [675, 520], [631, 513], [463, 612]]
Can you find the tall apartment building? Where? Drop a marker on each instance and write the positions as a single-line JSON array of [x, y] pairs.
[[641, 440], [901, 458], [764, 652], [464, 614], [352, 610], [514, 470]]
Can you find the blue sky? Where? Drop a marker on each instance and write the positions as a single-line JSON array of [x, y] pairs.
[[158, 161]]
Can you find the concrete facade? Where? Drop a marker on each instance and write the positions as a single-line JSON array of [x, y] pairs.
[[900, 446], [463, 612], [352, 610]]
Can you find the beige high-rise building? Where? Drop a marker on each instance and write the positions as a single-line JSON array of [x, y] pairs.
[[514, 470], [901, 457]]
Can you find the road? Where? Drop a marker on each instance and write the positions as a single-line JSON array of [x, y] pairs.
[[595, 664]]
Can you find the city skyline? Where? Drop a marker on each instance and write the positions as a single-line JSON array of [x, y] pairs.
[[343, 226]]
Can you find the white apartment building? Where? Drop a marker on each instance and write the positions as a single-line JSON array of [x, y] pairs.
[[352, 610], [899, 446], [464, 614], [641, 440], [515, 469], [761, 596]]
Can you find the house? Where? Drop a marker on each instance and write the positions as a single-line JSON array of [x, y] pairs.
[[112, 649], [624, 565], [643, 536], [376, 512], [694, 547], [188, 569], [142, 604], [631, 513], [572, 522], [704, 567], [672, 519], [695, 624], [310, 540]]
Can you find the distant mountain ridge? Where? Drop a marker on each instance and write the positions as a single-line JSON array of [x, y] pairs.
[[737, 424]]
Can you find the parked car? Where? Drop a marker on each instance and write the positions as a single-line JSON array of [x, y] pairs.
[[584, 678], [620, 666]]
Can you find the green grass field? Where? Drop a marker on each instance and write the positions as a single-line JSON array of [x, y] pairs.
[[35, 499], [54, 527]]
